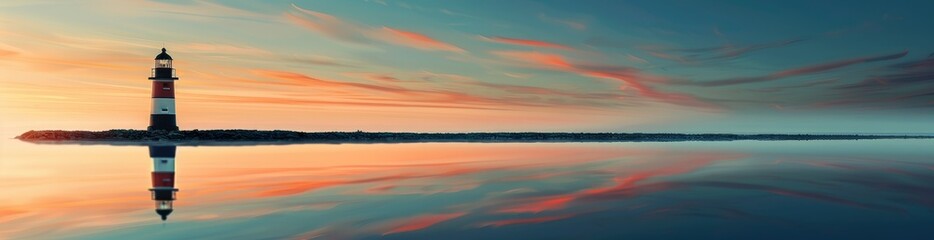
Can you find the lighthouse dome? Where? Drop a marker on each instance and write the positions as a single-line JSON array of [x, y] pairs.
[[163, 56], [164, 213]]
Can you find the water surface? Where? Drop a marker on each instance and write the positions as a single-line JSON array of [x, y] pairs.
[[877, 189]]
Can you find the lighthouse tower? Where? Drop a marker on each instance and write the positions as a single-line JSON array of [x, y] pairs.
[[163, 94], [163, 178]]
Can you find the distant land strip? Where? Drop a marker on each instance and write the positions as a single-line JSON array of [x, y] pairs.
[[273, 137]]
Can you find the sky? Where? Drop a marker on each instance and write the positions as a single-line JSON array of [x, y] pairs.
[[451, 66]]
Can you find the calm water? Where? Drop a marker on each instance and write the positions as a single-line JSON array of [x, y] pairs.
[[882, 189]]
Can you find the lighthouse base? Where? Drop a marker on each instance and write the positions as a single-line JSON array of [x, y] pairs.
[[162, 122]]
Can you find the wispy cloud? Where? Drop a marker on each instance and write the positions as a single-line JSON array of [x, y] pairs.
[[636, 59], [631, 77], [220, 49], [388, 91], [535, 59], [7, 53], [328, 25], [398, 96], [573, 24], [902, 85], [436, 76], [416, 40], [345, 31], [380, 2], [525, 42], [518, 75], [457, 14], [806, 70], [316, 60], [810, 84], [705, 54], [546, 92], [304, 80], [386, 78], [199, 9]]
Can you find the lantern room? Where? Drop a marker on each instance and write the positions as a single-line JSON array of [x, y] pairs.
[[163, 60], [162, 70], [163, 197]]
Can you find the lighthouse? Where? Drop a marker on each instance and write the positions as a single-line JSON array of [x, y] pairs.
[[163, 179], [163, 79]]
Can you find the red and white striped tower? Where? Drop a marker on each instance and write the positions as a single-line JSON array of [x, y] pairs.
[[163, 178], [163, 79]]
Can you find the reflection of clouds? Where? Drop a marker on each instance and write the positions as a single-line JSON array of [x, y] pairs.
[[275, 189], [422, 189], [420, 176], [496, 188], [778, 191], [539, 204], [625, 184], [420, 222], [869, 184], [529, 220]]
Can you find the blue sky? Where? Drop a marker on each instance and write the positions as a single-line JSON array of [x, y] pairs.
[[724, 66]]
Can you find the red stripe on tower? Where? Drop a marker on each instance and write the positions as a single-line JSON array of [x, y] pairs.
[[163, 179], [163, 89]]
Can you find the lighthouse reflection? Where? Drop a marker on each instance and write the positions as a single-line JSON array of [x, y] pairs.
[[163, 179]]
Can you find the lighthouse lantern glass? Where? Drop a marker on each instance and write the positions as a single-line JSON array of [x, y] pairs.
[[162, 205], [164, 63]]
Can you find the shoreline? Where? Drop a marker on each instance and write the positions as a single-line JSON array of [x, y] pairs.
[[280, 137]]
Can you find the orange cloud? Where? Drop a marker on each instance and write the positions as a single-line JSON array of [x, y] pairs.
[[419, 97], [350, 103], [384, 78], [525, 42], [8, 214], [632, 80], [416, 40], [328, 25], [304, 80], [632, 77], [339, 29], [7, 53], [537, 59], [546, 91]]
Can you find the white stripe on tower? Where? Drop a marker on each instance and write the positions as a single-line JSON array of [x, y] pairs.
[[163, 164], [163, 106]]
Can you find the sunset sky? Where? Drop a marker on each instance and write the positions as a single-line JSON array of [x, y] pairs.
[[449, 66]]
